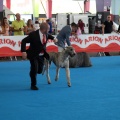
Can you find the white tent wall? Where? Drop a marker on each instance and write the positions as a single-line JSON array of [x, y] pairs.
[[61, 19], [59, 6], [7, 11]]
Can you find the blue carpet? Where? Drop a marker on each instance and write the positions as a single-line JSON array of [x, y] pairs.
[[94, 95]]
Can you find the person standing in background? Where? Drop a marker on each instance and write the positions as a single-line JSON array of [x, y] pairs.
[[30, 28], [77, 33], [50, 24], [81, 25], [37, 25], [47, 21], [5, 27], [18, 26], [92, 25], [1, 28], [107, 28]]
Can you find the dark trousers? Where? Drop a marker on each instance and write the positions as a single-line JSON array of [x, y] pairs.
[[107, 53], [36, 67]]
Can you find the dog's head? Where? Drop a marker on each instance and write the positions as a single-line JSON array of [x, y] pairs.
[[70, 51]]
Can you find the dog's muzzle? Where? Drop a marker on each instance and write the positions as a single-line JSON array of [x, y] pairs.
[[72, 55]]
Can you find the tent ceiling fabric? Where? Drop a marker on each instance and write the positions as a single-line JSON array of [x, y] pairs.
[[59, 6], [7, 11]]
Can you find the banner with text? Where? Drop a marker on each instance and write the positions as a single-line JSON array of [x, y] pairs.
[[11, 45]]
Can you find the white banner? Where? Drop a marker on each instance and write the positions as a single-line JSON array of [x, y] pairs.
[[86, 43]]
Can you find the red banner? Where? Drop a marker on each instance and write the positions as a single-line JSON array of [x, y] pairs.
[[11, 45]]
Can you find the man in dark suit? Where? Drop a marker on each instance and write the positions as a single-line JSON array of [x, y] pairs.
[[64, 35], [36, 51]]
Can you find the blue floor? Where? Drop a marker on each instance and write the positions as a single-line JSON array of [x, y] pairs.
[[94, 95]]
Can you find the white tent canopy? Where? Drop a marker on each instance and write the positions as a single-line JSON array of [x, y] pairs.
[[59, 6], [7, 11]]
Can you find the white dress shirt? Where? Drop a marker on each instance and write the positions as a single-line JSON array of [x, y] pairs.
[[41, 36]]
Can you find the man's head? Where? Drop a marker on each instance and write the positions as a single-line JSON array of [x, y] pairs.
[[4, 21], [47, 21], [108, 18], [17, 16], [44, 28], [74, 27]]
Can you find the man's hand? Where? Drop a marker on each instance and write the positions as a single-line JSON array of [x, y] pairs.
[[55, 40], [24, 55], [21, 29]]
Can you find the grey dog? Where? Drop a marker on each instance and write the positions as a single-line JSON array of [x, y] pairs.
[[60, 59], [81, 59]]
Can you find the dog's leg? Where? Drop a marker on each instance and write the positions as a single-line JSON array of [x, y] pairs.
[[67, 72], [57, 73], [47, 71], [44, 68]]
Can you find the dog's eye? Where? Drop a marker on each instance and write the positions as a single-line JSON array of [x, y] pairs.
[[71, 49]]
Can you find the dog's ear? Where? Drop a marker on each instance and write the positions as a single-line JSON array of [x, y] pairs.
[[67, 47], [64, 48]]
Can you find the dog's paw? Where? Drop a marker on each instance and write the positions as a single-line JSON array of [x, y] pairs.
[[49, 82], [69, 84], [56, 79]]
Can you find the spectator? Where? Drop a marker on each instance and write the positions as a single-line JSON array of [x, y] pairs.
[[1, 28], [107, 28], [98, 28], [5, 27], [92, 25], [47, 21], [118, 31], [30, 28], [77, 32], [42, 20], [36, 25], [53, 27], [50, 24], [81, 25], [18, 26]]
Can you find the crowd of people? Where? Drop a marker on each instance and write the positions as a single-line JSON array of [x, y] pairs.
[[19, 27]]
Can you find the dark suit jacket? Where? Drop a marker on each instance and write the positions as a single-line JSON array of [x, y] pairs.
[[35, 45], [119, 28]]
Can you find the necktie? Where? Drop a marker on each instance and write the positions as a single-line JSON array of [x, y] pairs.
[[44, 39], [43, 42]]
